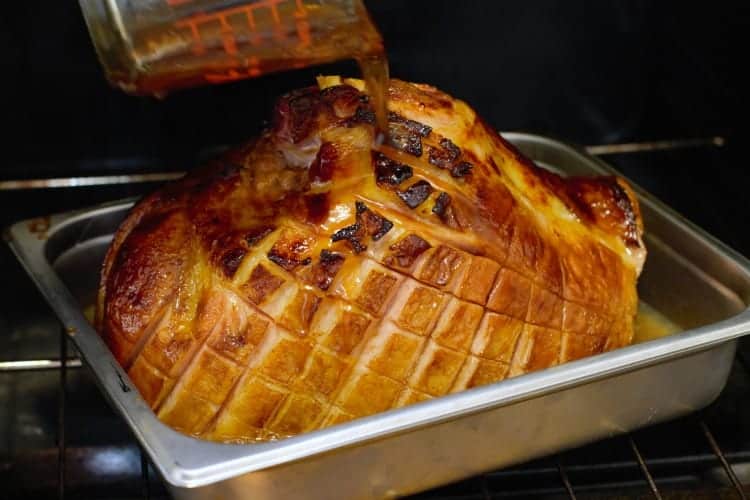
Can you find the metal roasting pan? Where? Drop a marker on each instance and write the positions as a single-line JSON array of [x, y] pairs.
[[690, 277]]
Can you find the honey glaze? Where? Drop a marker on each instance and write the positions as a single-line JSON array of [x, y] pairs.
[[374, 70], [650, 324]]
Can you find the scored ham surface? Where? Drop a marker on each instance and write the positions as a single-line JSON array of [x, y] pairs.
[[313, 276]]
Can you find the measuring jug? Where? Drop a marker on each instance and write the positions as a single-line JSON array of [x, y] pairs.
[[154, 46]]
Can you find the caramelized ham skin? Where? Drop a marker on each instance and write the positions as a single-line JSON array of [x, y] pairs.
[[312, 276]]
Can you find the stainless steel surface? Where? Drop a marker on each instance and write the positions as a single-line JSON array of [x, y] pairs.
[[37, 364], [724, 462], [640, 147], [693, 279], [644, 468], [565, 480], [91, 180]]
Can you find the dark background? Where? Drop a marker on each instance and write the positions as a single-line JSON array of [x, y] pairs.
[[590, 72], [585, 72]]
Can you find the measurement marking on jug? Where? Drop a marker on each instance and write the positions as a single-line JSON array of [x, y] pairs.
[[245, 23]]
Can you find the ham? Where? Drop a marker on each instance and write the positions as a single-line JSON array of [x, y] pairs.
[[314, 275]]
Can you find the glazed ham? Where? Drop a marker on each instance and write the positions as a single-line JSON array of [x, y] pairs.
[[316, 275]]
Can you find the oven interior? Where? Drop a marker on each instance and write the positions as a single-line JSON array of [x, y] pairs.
[[651, 88]]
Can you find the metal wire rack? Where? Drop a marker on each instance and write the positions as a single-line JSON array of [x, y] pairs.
[[631, 473]]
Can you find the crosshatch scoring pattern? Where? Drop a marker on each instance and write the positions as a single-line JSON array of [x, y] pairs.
[[275, 356], [581, 470], [236, 327]]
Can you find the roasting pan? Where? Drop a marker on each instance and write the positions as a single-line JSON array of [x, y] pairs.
[[691, 278]]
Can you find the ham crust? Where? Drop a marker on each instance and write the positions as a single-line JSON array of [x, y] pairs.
[[312, 276]]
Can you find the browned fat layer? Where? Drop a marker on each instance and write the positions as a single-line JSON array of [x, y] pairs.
[[598, 200], [288, 264], [343, 99], [363, 114], [290, 252], [449, 218], [439, 269], [388, 171], [444, 210], [360, 207], [461, 169], [255, 235], [375, 225], [321, 169], [317, 206], [622, 200], [604, 202], [294, 116], [326, 269], [444, 156], [442, 202], [352, 234], [413, 126], [260, 284], [416, 194], [450, 148], [229, 249], [496, 205], [406, 135], [146, 270], [368, 223], [231, 260], [402, 139], [406, 250]]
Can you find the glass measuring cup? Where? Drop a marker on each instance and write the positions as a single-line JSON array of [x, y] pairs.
[[154, 46]]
